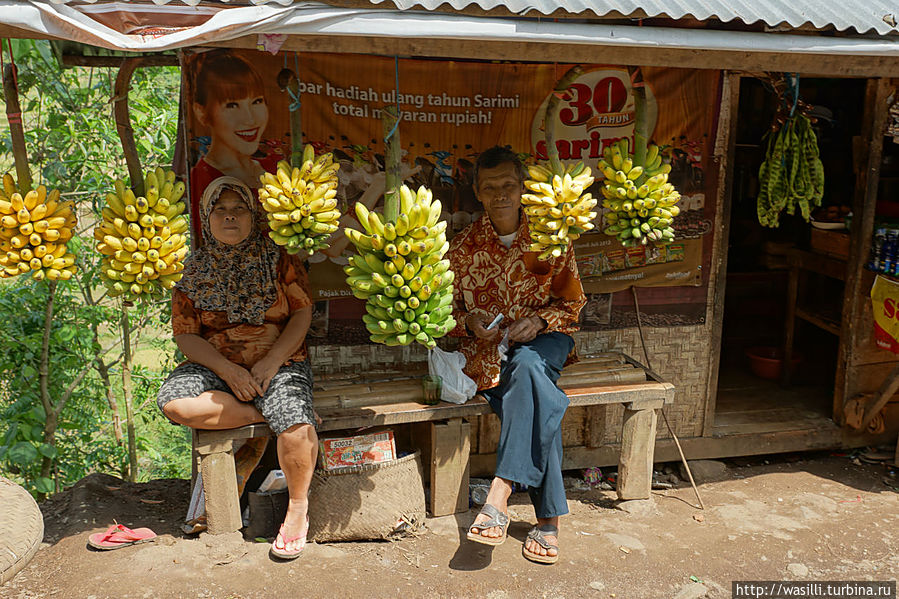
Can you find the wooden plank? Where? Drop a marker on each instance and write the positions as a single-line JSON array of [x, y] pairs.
[[818, 263], [621, 375], [823, 65], [205, 437], [819, 321], [595, 426], [488, 433], [399, 413], [863, 209], [475, 427], [605, 394], [449, 467], [638, 438], [573, 427], [725, 150], [220, 486]]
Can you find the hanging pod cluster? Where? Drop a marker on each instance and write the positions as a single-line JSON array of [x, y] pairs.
[[143, 239], [302, 202], [640, 204], [791, 175], [557, 209], [34, 230], [400, 271]]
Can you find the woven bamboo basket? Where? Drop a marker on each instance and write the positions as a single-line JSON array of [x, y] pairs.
[[368, 502]]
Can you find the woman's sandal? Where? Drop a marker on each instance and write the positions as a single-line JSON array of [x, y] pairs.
[[537, 534], [495, 519], [293, 553], [118, 536]]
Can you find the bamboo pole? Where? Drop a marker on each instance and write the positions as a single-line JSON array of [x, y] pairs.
[[16, 131], [392, 159], [641, 133], [287, 81], [549, 117]]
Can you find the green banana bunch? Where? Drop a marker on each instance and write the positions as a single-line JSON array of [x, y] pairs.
[[557, 208], [143, 239], [791, 174], [400, 271], [639, 202], [301, 202]]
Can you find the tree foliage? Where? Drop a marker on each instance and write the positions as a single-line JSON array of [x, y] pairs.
[[73, 146]]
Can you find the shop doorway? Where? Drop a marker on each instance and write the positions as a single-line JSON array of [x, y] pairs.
[[778, 276]]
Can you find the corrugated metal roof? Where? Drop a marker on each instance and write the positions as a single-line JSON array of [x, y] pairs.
[[863, 16]]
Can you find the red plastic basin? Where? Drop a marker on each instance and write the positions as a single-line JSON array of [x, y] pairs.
[[767, 362]]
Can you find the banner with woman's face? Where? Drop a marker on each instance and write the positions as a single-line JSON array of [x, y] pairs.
[[239, 125]]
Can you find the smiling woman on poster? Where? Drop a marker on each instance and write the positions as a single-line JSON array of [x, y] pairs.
[[229, 100]]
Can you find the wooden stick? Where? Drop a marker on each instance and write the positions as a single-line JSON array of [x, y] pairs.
[[16, 130], [126, 388], [392, 159], [664, 416], [123, 122]]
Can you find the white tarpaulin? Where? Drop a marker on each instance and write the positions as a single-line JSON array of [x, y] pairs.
[[43, 19]]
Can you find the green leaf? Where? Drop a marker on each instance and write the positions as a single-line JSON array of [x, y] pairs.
[[29, 371], [47, 450], [22, 453], [44, 485]]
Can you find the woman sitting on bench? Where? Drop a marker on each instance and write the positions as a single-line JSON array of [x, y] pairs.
[[240, 315]]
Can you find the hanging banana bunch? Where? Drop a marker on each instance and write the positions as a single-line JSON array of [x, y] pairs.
[[556, 210], [400, 271], [792, 174], [143, 239], [301, 202], [640, 203], [34, 230]]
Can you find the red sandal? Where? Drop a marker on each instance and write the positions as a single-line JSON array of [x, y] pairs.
[[118, 536], [282, 551]]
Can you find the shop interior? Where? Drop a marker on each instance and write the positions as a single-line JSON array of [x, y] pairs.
[[786, 275]]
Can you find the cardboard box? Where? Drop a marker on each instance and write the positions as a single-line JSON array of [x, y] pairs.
[[346, 452]]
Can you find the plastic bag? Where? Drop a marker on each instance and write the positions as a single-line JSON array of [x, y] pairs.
[[458, 387]]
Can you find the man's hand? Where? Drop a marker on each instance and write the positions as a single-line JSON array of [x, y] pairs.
[[241, 382], [477, 324], [525, 329], [264, 370]]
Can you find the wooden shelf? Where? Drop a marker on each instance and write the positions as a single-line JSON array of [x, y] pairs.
[[820, 320]]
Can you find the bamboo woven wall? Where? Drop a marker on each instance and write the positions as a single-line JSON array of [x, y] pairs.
[[678, 354]]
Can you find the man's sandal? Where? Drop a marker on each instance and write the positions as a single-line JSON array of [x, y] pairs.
[[495, 519], [538, 534]]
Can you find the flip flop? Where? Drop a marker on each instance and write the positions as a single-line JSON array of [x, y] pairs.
[[495, 518], [291, 554], [118, 536], [537, 534]]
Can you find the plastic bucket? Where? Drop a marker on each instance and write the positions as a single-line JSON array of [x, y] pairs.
[[767, 362]]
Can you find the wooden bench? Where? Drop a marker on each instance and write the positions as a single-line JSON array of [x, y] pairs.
[[347, 402]]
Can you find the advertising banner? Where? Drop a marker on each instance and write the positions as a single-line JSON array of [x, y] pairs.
[[238, 124], [885, 304]]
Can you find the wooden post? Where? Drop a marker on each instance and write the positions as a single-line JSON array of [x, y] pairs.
[[126, 391], [16, 131], [854, 295], [450, 449], [220, 487], [392, 158], [638, 438], [123, 122], [725, 149]]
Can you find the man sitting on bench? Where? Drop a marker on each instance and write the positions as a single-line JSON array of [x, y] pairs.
[[540, 300]]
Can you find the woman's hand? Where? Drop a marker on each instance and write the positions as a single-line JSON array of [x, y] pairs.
[[240, 381], [477, 324], [264, 370]]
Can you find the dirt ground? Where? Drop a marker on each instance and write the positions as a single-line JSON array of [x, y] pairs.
[[807, 516]]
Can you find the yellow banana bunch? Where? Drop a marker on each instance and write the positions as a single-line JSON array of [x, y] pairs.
[[34, 230], [557, 209], [143, 239], [400, 271], [639, 202], [301, 202]]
